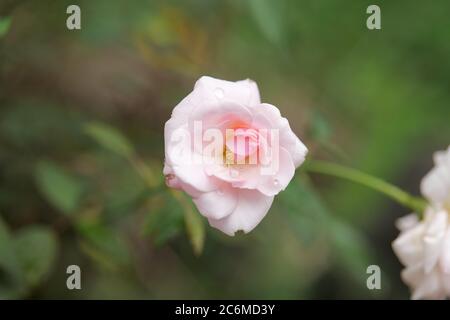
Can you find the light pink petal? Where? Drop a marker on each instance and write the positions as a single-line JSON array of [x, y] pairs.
[[185, 164], [292, 143], [217, 204], [206, 96], [194, 179], [251, 208], [231, 174], [271, 185], [178, 145], [244, 92], [288, 139], [224, 115]]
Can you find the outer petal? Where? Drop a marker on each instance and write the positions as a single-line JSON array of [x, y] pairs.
[[413, 275], [445, 256], [217, 204], [273, 184], [433, 239], [442, 157], [210, 93], [446, 283], [409, 247], [288, 139], [244, 92], [251, 208], [407, 222], [436, 184], [429, 287], [194, 179]]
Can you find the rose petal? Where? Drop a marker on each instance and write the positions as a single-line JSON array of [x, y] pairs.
[[194, 179], [433, 239], [445, 254], [217, 204], [288, 139], [407, 222], [442, 157], [251, 208], [435, 186], [243, 92], [271, 185], [413, 275], [409, 246], [429, 287]]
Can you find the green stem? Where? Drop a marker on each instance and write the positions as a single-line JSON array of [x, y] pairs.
[[415, 203]]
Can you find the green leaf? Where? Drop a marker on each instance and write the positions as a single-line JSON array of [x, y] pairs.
[[104, 242], [5, 23], [320, 127], [61, 189], [36, 249], [352, 251], [165, 219], [304, 209], [269, 17], [195, 227], [11, 284], [6, 250], [195, 230], [110, 138]]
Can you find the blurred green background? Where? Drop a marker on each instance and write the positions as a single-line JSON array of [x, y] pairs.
[[81, 143]]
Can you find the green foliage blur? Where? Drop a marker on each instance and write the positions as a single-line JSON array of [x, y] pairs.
[[81, 143]]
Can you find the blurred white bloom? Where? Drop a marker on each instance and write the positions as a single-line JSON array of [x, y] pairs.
[[436, 184], [424, 246]]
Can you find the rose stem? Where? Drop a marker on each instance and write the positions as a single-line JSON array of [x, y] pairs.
[[415, 203]]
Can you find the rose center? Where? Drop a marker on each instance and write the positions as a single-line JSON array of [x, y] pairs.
[[241, 146]]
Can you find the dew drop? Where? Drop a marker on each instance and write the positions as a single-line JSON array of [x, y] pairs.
[[219, 93], [276, 182], [234, 173]]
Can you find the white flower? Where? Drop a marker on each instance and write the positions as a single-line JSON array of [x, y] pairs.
[[423, 247]]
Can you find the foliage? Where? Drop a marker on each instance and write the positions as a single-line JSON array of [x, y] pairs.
[[82, 143]]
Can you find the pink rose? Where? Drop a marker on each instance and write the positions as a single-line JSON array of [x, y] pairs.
[[231, 153]]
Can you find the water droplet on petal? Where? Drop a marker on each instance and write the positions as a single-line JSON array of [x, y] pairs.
[[234, 173], [276, 182], [219, 93]]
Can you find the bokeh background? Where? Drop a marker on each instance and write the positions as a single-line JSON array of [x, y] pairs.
[[81, 143]]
